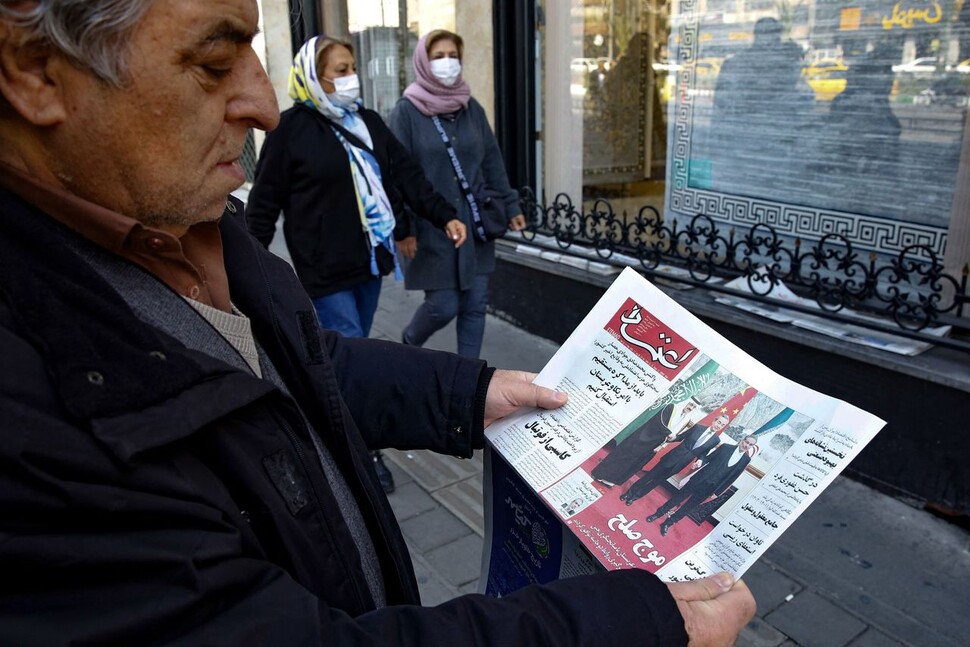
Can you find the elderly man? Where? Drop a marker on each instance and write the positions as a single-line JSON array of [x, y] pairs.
[[183, 454]]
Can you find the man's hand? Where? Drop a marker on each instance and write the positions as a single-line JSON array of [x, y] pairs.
[[510, 390], [455, 230], [408, 246], [715, 609]]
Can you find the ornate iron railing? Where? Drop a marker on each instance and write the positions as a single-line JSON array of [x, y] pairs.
[[909, 293]]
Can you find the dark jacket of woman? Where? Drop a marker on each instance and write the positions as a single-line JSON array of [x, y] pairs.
[[438, 265], [153, 494], [304, 172]]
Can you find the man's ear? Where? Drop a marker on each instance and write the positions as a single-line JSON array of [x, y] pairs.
[[31, 78]]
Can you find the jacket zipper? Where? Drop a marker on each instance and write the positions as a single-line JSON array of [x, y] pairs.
[[302, 457]]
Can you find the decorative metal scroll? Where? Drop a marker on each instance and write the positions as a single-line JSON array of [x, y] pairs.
[[909, 291]]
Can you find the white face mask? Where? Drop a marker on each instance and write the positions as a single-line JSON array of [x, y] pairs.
[[346, 90], [446, 70]]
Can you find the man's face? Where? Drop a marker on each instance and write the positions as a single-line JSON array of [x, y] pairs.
[[747, 443], [690, 406], [719, 423], [164, 148]]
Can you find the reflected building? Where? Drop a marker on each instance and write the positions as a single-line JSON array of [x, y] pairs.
[[384, 65]]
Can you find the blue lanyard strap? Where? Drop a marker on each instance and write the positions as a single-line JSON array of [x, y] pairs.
[[462, 180]]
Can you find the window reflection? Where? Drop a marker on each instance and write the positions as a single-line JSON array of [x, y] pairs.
[[620, 88], [845, 118]]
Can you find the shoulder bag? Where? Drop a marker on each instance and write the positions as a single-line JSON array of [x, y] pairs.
[[488, 210]]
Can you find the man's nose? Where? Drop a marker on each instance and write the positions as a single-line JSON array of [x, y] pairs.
[[255, 102]]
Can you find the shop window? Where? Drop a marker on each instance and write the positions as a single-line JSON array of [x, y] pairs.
[[825, 122], [813, 117]]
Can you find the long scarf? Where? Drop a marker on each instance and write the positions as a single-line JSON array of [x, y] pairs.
[[305, 88], [376, 215], [428, 94]]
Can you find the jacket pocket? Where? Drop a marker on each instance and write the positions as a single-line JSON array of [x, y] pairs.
[[132, 433]]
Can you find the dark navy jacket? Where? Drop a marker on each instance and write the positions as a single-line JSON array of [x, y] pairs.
[[140, 499]]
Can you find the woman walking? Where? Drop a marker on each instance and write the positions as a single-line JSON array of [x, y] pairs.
[[337, 173], [437, 107]]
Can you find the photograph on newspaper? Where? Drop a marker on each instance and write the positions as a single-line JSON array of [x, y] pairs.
[[677, 452]]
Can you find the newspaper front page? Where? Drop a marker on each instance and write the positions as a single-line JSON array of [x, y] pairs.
[[677, 452]]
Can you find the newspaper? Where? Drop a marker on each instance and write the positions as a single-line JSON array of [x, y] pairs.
[[677, 452]]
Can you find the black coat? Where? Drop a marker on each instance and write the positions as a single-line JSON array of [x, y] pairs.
[[637, 449], [137, 505], [717, 475], [683, 453], [304, 172]]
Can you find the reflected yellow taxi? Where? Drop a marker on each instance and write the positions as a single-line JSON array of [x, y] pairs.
[[826, 77]]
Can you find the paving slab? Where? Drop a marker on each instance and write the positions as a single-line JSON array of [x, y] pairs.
[[812, 621], [400, 476], [458, 562], [758, 633], [464, 500], [770, 588], [409, 500], [433, 529], [874, 638], [434, 471], [897, 568], [433, 588]]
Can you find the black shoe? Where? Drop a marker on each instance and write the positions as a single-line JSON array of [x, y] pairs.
[[404, 337], [383, 474], [654, 517], [664, 527]]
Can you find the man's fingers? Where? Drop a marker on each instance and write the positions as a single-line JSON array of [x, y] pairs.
[[714, 610], [516, 376], [548, 398], [510, 390], [705, 589], [535, 395]]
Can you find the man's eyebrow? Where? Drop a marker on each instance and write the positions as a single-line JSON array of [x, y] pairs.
[[227, 31], [222, 32]]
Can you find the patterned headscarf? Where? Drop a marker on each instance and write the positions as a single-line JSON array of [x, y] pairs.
[[305, 88]]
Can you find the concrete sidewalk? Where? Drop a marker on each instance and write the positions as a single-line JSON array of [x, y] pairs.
[[858, 568]]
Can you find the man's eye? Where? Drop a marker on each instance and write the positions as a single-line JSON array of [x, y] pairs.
[[216, 71]]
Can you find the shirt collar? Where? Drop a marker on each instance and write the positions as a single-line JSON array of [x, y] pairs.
[[191, 265]]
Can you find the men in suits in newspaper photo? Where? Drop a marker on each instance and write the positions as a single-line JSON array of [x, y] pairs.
[[719, 470], [637, 449], [694, 443]]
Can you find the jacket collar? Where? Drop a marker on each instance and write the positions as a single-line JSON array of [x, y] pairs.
[[104, 363]]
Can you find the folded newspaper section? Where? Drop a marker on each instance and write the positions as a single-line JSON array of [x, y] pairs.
[[677, 452]]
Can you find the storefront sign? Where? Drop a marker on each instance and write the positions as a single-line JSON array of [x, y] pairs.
[[909, 18]]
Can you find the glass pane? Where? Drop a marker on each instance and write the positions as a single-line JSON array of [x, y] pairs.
[[818, 117], [619, 85], [383, 52]]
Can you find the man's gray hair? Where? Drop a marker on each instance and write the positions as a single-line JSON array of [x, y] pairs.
[[93, 34]]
